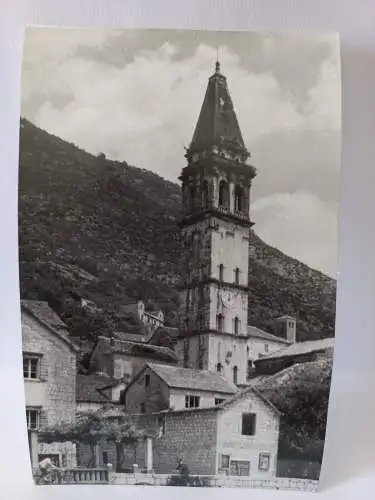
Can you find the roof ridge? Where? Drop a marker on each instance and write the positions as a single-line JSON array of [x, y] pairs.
[[49, 327]]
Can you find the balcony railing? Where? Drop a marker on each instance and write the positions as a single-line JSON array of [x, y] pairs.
[[77, 475]]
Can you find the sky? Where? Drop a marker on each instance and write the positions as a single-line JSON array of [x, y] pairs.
[[135, 96]]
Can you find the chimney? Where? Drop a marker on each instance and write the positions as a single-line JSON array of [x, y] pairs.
[[288, 326]]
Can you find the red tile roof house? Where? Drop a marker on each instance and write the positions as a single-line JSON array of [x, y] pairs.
[[237, 436]]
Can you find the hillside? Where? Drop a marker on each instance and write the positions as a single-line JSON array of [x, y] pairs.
[[106, 231]]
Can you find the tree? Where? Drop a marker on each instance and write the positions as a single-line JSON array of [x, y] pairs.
[[123, 434], [88, 428]]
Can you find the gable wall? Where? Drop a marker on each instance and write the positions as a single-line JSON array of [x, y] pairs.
[[232, 442]]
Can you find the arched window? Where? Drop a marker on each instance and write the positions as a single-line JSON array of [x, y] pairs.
[[237, 276], [238, 199], [196, 246], [220, 322], [191, 198], [223, 194], [236, 325], [219, 367], [235, 375], [205, 194], [147, 380], [221, 272]]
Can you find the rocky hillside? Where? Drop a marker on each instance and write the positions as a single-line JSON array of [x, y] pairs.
[[106, 231]]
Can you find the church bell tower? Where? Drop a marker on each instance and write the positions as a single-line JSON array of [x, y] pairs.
[[215, 230]]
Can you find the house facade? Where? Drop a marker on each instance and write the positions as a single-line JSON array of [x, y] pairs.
[[49, 371], [163, 387], [236, 438], [121, 360]]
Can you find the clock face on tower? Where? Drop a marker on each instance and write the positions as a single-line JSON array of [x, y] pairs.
[[226, 298]]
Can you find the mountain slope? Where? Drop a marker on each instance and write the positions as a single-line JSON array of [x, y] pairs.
[[107, 232]]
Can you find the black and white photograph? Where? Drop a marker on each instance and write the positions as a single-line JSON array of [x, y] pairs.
[[178, 212]]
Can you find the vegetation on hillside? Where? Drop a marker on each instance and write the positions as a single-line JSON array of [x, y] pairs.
[[301, 393], [106, 231]]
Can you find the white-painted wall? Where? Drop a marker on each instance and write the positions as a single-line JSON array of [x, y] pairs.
[[230, 440]]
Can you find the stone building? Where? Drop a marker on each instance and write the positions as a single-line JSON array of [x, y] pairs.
[[49, 371], [150, 319], [97, 390], [238, 437], [301, 352], [215, 228], [122, 359], [164, 387]]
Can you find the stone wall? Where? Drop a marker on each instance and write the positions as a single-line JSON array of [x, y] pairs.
[[155, 397], [189, 435], [56, 398], [239, 447]]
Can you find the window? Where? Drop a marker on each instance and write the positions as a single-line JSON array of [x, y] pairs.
[[205, 194], [218, 401], [191, 197], [264, 461], [147, 380], [238, 199], [122, 399], [223, 194], [32, 418], [161, 423], [224, 462], [248, 424], [142, 408], [235, 375], [237, 276], [186, 353], [250, 368], [236, 325], [31, 367], [192, 401], [105, 457], [266, 347], [239, 468], [220, 322], [219, 367], [221, 272]]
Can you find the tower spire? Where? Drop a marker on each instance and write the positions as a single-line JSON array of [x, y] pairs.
[[217, 65], [217, 124]]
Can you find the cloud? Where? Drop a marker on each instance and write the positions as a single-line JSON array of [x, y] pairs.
[[136, 100], [303, 226]]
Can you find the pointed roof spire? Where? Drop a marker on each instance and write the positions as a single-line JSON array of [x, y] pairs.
[[217, 123]]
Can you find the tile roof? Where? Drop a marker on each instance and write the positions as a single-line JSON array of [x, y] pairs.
[[301, 348], [130, 337], [140, 349], [246, 392], [253, 331], [171, 331], [43, 313], [88, 388], [186, 378]]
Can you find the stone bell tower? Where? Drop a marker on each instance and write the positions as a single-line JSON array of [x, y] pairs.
[[215, 232]]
